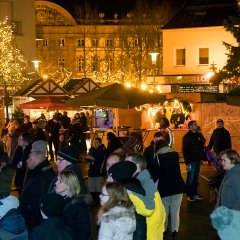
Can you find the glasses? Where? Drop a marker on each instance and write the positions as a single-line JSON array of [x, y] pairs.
[[104, 195]]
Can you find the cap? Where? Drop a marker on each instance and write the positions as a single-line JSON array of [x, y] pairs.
[[220, 120], [69, 153]]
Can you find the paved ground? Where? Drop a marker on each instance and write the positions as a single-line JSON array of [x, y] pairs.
[[195, 221]]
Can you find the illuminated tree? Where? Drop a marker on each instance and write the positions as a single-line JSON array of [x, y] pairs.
[[12, 63]]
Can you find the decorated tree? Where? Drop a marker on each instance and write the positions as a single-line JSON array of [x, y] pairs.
[[231, 71], [12, 63]]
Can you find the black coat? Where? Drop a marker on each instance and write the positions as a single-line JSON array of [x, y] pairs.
[[220, 140], [169, 174], [192, 147], [52, 229], [76, 215], [35, 187]]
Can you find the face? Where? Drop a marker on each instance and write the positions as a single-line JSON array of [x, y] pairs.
[[194, 126], [60, 186], [110, 161], [226, 162], [21, 142], [61, 164], [157, 139], [96, 144], [104, 197], [220, 124], [32, 161]]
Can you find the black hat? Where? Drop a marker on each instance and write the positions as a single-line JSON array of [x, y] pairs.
[[133, 184], [52, 205], [122, 170], [220, 120], [69, 153]]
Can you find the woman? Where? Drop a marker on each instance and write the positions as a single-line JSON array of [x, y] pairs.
[[75, 212], [229, 192], [117, 217], [166, 131], [170, 184]]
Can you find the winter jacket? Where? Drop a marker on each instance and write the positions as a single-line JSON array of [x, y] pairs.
[[192, 147], [76, 216], [35, 187], [118, 223], [220, 140], [169, 173], [52, 229], [96, 164], [150, 206], [229, 192], [12, 226]]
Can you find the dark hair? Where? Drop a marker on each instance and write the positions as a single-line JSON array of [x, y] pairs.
[[159, 144], [232, 155], [118, 196], [98, 139], [111, 136], [138, 159], [166, 122], [191, 123], [27, 137]]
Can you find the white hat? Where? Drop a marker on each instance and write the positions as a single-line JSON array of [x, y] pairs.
[[8, 203]]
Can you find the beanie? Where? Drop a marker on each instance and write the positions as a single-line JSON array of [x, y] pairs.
[[52, 205], [8, 203], [39, 146], [69, 153]]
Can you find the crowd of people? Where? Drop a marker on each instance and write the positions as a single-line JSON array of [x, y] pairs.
[[138, 195]]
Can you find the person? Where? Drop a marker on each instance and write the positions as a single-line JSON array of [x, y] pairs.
[[12, 224], [113, 143], [117, 218], [129, 144], [36, 184], [52, 227], [170, 184], [36, 132], [229, 191], [166, 131], [226, 222], [150, 205], [52, 130], [20, 159], [220, 139], [75, 212], [149, 155], [96, 157], [193, 153], [27, 125], [67, 159], [42, 120], [65, 120]]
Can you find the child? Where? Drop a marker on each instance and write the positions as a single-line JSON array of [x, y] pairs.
[[96, 157], [117, 217]]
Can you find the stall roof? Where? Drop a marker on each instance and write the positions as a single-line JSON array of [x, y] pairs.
[[80, 86], [40, 87]]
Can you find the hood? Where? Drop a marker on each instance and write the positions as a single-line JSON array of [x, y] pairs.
[[13, 222], [165, 149]]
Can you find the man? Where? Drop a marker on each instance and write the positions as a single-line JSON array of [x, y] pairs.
[[67, 159], [27, 125], [150, 205], [220, 139], [149, 156], [36, 132], [39, 175], [193, 152]]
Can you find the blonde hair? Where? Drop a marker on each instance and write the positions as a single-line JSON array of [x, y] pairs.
[[118, 196], [71, 180]]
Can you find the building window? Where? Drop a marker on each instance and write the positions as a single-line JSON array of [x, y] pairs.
[[181, 56], [110, 64], [81, 42], [135, 42], [80, 64], [109, 43], [61, 62], [61, 42], [17, 27], [38, 43], [203, 56], [45, 42], [95, 63], [94, 43]]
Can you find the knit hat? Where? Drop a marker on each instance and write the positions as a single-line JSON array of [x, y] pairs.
[[8, 203], [69, 153], [52, 205], [122, 172], [226, 222], [39, 146], [129, 142]]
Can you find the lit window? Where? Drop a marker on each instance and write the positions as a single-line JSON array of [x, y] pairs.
[[45, 42], [61, 42], [94, 43], [95, 63], [109, 43], [80, 64], [38, 43], [181, 56], [81, 42], [203, 55]]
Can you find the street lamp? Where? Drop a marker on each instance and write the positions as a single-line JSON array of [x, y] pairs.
[[154, 61], [36, 64]]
